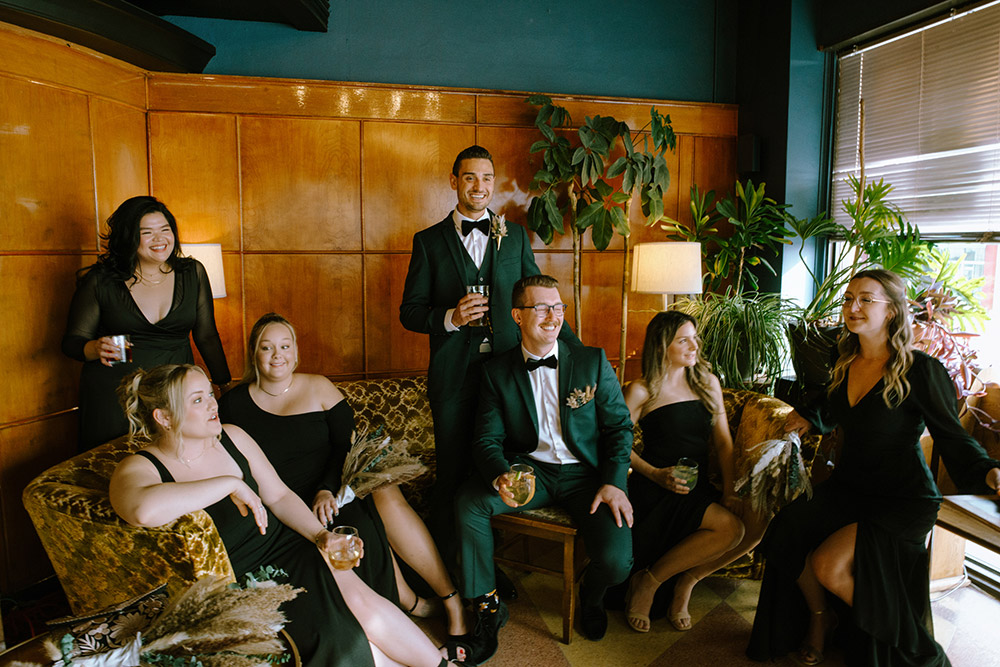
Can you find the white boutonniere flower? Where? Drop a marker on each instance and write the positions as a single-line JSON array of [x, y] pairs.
[[580, 397], [498, 229]]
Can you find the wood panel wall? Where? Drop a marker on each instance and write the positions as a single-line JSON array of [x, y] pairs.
[[314, 189]]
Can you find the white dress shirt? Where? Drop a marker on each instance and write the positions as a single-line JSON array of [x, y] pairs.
[[545, 388]]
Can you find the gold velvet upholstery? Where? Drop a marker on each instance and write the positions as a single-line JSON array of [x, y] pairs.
[[101, 561]]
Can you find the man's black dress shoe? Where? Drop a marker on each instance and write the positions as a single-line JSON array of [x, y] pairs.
[[505, 587], [593, 622], [484, 640]]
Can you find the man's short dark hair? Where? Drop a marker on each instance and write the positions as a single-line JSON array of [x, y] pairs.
[[471, 153], [522, 285]]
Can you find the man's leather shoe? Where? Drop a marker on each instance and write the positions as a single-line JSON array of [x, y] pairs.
[[484, 640], [505, 587], [593, 622]]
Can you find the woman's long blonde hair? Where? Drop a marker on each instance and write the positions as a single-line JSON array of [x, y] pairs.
[[900, 341], [144, 391], [660, 334], [250, 374]]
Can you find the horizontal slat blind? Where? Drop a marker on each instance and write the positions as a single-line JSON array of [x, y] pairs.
[[932, 124]]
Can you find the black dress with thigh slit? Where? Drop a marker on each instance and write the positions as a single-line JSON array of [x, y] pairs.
[[319, 621], [883, 484]]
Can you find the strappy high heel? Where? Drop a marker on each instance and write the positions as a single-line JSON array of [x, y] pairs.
[[682, 622], [809, 654], [631, 617]]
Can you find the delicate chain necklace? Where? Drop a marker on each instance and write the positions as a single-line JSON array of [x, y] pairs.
[[261, 387], [144, 279], [188, 461]]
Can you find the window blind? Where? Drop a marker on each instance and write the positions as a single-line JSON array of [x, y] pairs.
[[932, 124]]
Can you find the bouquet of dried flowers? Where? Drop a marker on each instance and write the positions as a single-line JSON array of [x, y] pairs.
[[375, 461]]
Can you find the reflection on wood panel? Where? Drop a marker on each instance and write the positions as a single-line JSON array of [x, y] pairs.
[[319, 294], [390, 347], [26, 450], [48, 191], [121, 167], [301, 184], [515, 167], [195, 173], [405, 183], [39, 379], [323, 99], [42, 58]]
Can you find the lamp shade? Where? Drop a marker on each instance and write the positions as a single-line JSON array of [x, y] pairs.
[[210, 255], [667, 268]]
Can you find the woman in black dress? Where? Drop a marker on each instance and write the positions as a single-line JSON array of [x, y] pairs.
[[141, 286], [303, 424], [679, 532], [194, 462], [862, 537]]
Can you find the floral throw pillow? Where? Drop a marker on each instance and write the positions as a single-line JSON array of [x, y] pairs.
[[113, 627]]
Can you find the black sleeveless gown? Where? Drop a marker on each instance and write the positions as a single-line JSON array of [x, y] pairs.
[[663, 518], [307, 451], [319, 622]]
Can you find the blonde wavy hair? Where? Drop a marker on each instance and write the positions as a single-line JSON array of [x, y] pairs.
[[251, 374], [144, 391], [660, 333], [900, 341]]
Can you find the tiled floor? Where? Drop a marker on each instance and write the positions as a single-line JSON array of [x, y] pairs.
[[967, 623]]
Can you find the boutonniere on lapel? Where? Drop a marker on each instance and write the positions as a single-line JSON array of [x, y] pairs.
[[498, 229], [580, 397]]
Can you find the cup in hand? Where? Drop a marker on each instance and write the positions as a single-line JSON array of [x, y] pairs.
[[121, 341], [686, 472], [522, 483], [485, 291], [347, 551]]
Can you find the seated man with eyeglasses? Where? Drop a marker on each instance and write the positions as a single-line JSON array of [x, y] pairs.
[[559, 409]]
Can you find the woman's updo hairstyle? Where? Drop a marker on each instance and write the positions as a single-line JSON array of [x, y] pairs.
[[144, 391]]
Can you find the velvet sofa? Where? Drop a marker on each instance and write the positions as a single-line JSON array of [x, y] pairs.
[[100, 560]]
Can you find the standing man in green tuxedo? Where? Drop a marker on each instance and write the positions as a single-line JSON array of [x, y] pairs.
[[558, 408], [471, 246]]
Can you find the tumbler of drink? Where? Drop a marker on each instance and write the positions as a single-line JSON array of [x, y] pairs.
[[522, 483], [686, 471], [347, 552], [485, 291], [121, 341]]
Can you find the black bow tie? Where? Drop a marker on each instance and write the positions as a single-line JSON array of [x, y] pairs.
[[482, 225], [550, 361]]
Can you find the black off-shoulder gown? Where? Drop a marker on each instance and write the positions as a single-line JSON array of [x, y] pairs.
[[882, 483], [664, 518], [319, 621], [308, 451], [103, 306]]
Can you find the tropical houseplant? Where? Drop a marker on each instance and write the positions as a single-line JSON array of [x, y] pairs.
[[582, 181]]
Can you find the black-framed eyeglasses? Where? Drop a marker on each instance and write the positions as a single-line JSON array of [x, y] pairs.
[[863, 301], [544, 308]]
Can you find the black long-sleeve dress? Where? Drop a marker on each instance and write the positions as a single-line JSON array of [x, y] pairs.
[[882, 483], [322, 626], [103, 306], [308, 451]]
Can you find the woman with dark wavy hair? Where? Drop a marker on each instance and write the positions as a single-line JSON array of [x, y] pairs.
[[858, 547], [680, 533], [141, 286]]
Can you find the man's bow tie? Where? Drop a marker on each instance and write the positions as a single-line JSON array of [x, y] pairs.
[[550, 361], [482, 225]]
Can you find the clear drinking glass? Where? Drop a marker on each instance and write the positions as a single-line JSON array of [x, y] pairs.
[[347, 551], [121, 341], [485, 291], [686, 471], [522, 483]]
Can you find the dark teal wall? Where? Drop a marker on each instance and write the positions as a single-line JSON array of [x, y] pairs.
[[663, 49]]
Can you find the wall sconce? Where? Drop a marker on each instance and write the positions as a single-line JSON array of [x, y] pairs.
[[667, 269], [210, 255]]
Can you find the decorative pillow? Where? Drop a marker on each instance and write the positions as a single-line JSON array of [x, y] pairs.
[[113, 627]]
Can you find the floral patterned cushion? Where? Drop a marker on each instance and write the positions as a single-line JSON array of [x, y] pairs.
[[110, 628]]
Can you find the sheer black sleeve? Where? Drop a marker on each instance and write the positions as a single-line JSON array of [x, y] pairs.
[[84, 316], [340, 421], [205, 333]]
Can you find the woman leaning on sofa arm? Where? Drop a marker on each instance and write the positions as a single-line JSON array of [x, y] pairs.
[[193, 462]]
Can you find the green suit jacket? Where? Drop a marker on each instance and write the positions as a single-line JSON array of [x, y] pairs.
[[598, 431], [435, 281]]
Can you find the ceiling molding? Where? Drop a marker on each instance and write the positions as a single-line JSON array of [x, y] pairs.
[[310, 15]]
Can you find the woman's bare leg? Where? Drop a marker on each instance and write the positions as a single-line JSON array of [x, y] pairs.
[[829, 567], [410, 538], [719, 532]]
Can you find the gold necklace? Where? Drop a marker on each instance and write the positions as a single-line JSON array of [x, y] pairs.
[[261, 387], [144, 279]]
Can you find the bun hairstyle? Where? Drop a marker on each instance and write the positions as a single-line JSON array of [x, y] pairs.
[[144, 391], [250, 374]]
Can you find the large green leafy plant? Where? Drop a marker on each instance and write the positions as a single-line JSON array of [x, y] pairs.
[[590, 177]]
